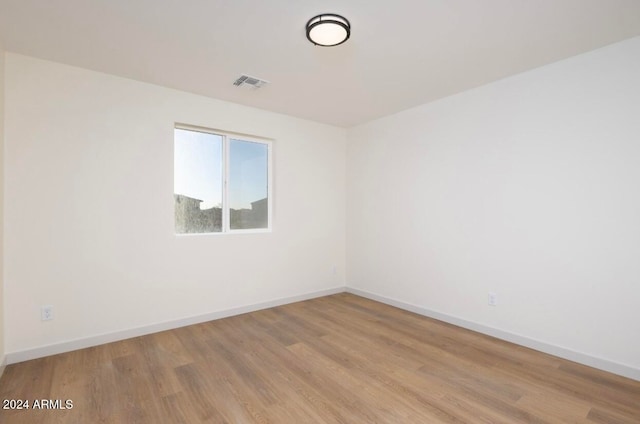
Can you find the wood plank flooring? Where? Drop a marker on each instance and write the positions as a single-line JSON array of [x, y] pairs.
[[337, 359]]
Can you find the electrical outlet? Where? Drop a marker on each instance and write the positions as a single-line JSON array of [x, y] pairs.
[[46, 312], [492, 299]]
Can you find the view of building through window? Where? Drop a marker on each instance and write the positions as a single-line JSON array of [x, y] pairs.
[[220, 183]]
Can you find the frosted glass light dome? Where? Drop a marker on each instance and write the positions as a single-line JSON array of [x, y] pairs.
[[328, 30]]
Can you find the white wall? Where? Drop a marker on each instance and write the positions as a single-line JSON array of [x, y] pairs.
[[2, 348], [89, 210], [528, 187]]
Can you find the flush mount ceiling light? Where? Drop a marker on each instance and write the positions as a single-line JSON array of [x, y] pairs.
[[328, 30]]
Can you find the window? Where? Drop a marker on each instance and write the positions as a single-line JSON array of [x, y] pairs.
[[221, 182]]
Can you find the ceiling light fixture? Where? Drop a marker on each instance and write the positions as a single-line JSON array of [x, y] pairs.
[[328, 30]]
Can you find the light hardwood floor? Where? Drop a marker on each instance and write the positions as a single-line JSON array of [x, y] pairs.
[[337, 359]]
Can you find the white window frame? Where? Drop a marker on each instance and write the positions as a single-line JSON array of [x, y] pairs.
[[227, 136]]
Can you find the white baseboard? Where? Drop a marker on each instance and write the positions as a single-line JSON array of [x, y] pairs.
[[571, 355], [68, 346], [3, 365]]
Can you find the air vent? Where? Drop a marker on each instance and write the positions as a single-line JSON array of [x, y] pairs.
[[249, 81]]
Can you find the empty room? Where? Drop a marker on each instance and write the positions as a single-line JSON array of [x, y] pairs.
[[411, 211]]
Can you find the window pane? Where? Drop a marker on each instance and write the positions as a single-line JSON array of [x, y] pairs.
[[248, 184], [197, 185]]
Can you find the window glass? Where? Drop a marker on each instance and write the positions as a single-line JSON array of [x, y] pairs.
[[248, 184], [221, 183], [198, 182]]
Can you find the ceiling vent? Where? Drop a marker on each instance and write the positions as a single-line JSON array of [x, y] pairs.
[[249, 82]]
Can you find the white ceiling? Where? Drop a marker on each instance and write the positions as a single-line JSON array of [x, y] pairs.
[[402, 53]]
